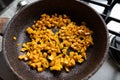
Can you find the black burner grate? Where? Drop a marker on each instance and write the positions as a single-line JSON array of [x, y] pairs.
[[106, 13], [113, 50]]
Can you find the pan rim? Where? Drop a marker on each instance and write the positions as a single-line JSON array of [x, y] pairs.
[[84, 78]]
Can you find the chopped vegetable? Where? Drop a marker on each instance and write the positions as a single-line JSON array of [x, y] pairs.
[[14, 38], [48, 49]]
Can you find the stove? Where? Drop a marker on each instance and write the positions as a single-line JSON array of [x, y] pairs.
[[108, 9]]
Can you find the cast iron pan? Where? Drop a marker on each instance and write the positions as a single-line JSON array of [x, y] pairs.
[[78, 12]]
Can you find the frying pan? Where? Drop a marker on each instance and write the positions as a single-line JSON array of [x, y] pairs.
[[78, 12]]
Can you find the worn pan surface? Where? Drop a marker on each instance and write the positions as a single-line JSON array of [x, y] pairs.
[[78, 12]]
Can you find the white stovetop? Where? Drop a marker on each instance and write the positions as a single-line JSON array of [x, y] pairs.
[[108, 70]]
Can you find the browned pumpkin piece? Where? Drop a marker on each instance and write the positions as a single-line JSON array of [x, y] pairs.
[[14, 37], [50, 50]]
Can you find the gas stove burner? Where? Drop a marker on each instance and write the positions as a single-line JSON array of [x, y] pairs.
[[115, 54]]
